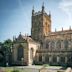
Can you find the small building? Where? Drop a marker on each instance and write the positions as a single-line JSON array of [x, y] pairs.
[[24, 50]]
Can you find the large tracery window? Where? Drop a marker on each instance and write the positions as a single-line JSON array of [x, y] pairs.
[[20, 53]]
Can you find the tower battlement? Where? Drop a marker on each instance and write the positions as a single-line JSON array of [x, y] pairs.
[[40, 12]]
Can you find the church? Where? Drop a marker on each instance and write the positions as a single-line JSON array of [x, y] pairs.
[[43, 46]]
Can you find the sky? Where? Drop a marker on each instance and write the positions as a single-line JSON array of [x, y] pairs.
[[15, 15]]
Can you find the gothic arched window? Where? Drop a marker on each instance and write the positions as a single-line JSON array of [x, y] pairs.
[[20, 53], [54, 59], [66, 44], [47, 44], [62, 59], [52, 45], [58, 44], [40, 58], [47, 59], [70, 59]]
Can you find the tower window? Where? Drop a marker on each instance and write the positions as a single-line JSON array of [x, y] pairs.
[[46, 23]]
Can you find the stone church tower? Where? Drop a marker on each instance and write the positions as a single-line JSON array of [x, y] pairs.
[[43, 46], [41, 24]]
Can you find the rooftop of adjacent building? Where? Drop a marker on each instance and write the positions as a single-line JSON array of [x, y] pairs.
[[24, 38], [69, 31]]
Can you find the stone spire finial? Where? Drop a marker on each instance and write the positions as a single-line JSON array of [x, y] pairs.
[[43, 4], [33, 11], [49, 14], [70, 27], [43, 7], [33, 7], [55, 29], [13, 38], [62, 28], [20, 33], [25, 34]]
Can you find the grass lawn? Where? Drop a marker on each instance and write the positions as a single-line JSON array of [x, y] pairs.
[[8, 69], [47, 65]]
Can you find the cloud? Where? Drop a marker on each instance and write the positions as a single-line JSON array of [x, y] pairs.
[[66, 6]]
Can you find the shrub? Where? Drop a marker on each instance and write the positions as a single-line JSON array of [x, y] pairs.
[[15, 71]]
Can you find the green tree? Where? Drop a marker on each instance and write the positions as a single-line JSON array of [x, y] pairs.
[[15, 71], [1, 43], [7, 43], [1, 54], [7, 50]]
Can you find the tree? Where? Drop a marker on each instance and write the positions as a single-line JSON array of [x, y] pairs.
[[2, 58], [0, 43], [7, 43], [15, 71], [7, 50]]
